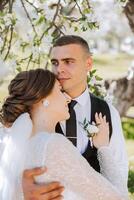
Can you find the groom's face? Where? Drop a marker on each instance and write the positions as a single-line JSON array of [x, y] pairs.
[[71, 63]]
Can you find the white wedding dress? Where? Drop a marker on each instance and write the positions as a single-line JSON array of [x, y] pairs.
[[66, 165]]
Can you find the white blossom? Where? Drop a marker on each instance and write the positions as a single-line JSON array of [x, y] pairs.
[[130, 74], [92, 129], [6, 68], [16, 46], [93, 81], [1, 42], [44, 48], [109, 98], [102, 90], [23, 27], [49, 13], [8, 19], [47, 40]]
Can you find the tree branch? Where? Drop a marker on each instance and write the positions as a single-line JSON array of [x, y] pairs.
[[30, 58], [10, 6], [31, 4], [28, 16], [46, 66], [73, 19], [79, 7], [88, 4], [10, 2], [59, 29], [5, 40], [129, 12], [10, 42], [23, 59], [52, 23], [3, 3]]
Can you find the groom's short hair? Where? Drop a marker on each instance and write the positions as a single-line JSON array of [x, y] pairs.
[[72, 39]]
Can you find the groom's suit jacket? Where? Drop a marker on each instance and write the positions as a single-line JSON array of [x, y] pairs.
[[97, 105]]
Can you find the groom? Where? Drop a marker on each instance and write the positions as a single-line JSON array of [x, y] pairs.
[[71, 60]]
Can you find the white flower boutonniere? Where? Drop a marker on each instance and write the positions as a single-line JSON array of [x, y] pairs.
[[91, 129]]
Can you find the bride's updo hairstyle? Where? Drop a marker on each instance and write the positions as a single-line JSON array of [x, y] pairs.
[[26, 89]]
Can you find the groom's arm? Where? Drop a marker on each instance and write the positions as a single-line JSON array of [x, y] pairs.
[[32, 190]]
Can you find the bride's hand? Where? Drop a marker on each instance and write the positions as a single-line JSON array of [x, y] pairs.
[[102, 137]]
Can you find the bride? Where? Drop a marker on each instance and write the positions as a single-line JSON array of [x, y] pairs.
[[29, 114]]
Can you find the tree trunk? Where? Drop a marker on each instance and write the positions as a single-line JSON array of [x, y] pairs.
[[123, 94], [129, 12]]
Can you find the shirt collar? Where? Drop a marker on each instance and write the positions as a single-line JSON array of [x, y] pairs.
[[83, 98]]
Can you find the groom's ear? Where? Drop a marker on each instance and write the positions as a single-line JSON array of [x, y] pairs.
[[89, 63]]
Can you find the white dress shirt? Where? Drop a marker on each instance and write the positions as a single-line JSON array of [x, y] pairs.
[[117, 143], [82, 110]]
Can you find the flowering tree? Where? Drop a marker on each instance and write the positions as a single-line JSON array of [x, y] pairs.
[[129, 11], [123, 90], [28, 29]]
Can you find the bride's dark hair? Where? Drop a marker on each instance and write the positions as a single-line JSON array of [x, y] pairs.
[[26, 89]]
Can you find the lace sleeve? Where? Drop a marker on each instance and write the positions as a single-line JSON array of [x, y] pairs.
[[111, 169], [66, 165]]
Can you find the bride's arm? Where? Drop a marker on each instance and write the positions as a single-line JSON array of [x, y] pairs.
[[111, 155], [112, 170], [66, 165]]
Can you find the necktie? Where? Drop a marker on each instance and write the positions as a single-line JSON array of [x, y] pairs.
[[71, 125]]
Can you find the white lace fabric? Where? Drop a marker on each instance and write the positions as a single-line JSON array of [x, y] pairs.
[[65, 164], [109, 169]]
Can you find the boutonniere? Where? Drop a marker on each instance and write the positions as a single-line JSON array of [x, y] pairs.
[[91, 129]]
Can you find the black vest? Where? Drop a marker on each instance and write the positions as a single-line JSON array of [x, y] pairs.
[[97, 105]]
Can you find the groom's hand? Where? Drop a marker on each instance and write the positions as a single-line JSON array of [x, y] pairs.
[[34, 191]]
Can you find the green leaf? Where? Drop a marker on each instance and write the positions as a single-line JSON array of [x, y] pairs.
[[13, 21], [93, 72], [123, 1], [40, 20], [83, 28], [98, 78], [83, 18], [86, 11], [75, 28], [19, 69], [90, 25], [85, 121], [24, 45], [85, 126], [88, 79]]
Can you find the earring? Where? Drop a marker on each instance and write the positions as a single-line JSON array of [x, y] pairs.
[[46, 103]]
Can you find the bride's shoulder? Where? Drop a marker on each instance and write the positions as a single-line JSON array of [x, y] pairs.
[[59, 137], [49, 137], [52, 140], [61, 142]]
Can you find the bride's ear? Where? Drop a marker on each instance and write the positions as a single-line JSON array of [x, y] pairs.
[[46, 103]]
